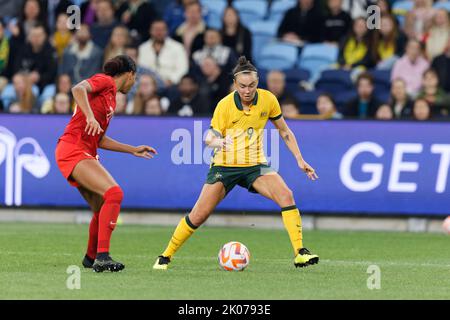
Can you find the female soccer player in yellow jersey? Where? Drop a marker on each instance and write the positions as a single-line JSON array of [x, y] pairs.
[[236, 134]]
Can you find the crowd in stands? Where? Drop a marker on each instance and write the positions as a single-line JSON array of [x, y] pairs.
[[185, 52]]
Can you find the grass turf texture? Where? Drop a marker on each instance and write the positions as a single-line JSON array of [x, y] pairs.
[[34, 259]]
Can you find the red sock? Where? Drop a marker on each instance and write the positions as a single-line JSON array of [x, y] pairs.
[[93, 236], [108, 217]]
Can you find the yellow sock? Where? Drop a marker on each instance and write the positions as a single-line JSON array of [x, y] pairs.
[[293, 224], [183, 231]]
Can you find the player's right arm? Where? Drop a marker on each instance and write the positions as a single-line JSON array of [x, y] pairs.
[[80, 94], [214, 137]]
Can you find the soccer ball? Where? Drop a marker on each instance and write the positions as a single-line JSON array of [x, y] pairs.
[[446, 225], [234, 256]]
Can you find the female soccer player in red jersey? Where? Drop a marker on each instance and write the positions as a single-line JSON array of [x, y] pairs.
[[76, 155]]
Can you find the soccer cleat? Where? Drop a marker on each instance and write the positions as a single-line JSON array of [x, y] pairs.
[[87, 262], [162, 263], [107, 264], [304, 258]]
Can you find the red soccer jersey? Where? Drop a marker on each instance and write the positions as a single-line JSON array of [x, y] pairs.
[[102, 100]]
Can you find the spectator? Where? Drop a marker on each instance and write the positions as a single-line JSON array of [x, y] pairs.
[[32, 14], [385, 8], [326, 107], [442, 66], [365, 104], [121, 103], [83, 58], [289, 109], [88, 12], [62, 36], [4, 55], [133, 52], [64, 86], [437, 99], [276, 83], [153, 107], [215, 82], [38, 58], [164, 55], [137, 15], [336, 22], [411, 67], [400, 101], [147, 89], [60, 104], [120, 38], [53, 9], [303, 23], [356, 8], [419, 19], [356, 50], [24, 100], [213, 47], [194, 25], [106, 22], [437, 37], [174, 14], [389, 43], [235, 35], [421, 110], [190, 101], [384, 112]]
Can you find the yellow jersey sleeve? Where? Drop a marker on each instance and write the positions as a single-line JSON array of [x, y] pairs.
[[275, 109], [219, 120]]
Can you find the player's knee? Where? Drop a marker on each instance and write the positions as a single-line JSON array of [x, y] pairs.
[[113, 195], [286, 197], [197, 217]]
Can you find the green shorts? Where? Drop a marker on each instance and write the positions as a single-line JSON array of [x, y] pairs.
[[242, 176]]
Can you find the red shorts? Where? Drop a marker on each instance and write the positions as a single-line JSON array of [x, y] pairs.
[[67, 156]]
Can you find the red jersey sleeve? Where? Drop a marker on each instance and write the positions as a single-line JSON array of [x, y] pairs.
[[100, 82]]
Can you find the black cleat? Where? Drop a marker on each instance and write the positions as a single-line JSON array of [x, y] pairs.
[[107, 264], [162, 263], [87, 262]]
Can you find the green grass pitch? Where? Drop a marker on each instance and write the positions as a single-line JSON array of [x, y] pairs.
[[34, 259]]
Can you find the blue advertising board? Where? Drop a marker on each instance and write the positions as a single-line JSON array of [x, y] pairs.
[[371, 167]]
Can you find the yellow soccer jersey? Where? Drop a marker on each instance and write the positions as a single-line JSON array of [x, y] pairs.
[[246, 128]]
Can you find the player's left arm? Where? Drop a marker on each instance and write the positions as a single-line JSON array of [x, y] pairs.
[[143, 151], [289, 138]]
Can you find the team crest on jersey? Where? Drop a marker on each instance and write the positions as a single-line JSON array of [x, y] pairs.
[[263, 114], [218, 176]]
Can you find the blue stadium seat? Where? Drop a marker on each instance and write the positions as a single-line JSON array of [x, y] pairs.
[[334, 81], [47, 93], [293, 78], [307, 101], [250, 10], [442, 5], [279, 8], [214, 10], [317, 57], [381, 79], [342, 98], [263, 32], [278, 55]]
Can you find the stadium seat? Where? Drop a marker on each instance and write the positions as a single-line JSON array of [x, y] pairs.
[[250, 10], [278, 55], [47, 93], [382, 79], [343, 97], [317, 57], [263, 32], [307, 101], [279, 8], [9, 94], [334, 81], [215, 9], [293, 78], [442, 5]]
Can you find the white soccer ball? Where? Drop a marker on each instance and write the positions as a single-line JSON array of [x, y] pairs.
[[446, 225], [234, 256]]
